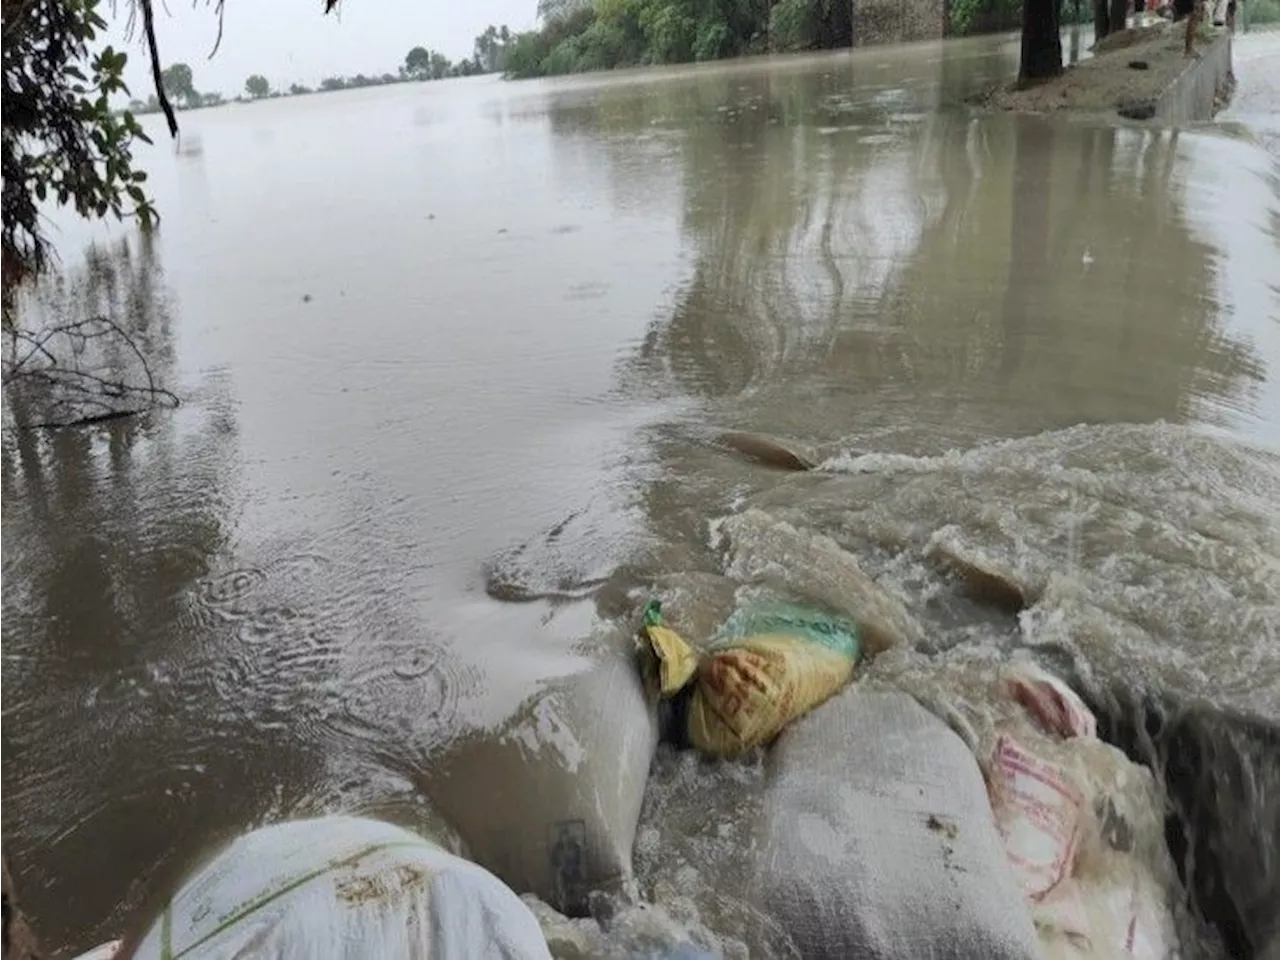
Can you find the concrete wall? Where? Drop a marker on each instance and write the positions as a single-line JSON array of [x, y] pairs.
[[897, 21], [1190, 99]]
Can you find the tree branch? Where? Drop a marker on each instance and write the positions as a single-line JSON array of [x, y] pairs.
[[77, 396], [157, 76], [221, 9]]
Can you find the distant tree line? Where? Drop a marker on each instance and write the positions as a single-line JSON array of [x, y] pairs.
[[420, 63], [580, 35]]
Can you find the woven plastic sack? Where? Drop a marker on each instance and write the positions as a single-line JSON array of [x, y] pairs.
[[341, 887], [549, 801], [770, 665], [1082, 827], [104, 951], [878, 842]]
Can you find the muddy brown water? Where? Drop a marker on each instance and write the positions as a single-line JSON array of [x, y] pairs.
[[450, 342]]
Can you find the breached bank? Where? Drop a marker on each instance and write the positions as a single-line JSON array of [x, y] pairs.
[[1137, 561], [1141, 74]]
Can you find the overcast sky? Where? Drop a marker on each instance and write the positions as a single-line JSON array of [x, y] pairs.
[[291, 41]]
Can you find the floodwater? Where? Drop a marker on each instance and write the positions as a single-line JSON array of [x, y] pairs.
[[445, 345]]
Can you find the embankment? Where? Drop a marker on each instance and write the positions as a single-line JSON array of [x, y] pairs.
[[1141, 75]]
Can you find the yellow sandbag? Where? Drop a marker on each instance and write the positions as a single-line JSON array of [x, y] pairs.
[[748, 692], [750, 685], [676, 660]]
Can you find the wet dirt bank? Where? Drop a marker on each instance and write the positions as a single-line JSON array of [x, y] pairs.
[[1141, 74]]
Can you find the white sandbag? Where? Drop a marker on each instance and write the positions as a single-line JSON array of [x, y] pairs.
[[341, 887], [1081, 824], [103, 951], [550, 801], [1082, 827], [879, 843], [1038, 812]]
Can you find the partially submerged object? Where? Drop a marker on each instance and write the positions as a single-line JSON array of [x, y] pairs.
[[550, 801], [338, 887], [103, 951], [879, 843], [1082, 825], [762, 549], [770, 451], [771, 664]]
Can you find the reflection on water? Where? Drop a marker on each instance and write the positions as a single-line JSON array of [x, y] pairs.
[[498, 358], [997, 276], [106, 530]]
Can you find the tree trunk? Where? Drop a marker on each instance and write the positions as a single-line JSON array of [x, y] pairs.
[[1101, 19], [1041, 40], [1119, 9]]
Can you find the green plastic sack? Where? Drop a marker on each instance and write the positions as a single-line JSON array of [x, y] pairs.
[[768, 665]]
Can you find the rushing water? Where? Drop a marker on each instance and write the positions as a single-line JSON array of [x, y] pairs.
[[446, 343]]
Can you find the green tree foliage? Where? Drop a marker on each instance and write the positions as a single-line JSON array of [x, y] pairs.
[[794, 24], [257, 86], [490, 49], [179, 83], [579, 35], [61, 140], [1257, 12], [978, 16], [417, 63], [440, 65], [983, 16], [423, 64], [549, 10]]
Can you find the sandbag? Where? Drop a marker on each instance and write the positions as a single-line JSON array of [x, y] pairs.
[[878, 839], [550, 801], [1083, 829], [341, 887], [1055, 707], [771, 664], [103, 951], [1081, 824]]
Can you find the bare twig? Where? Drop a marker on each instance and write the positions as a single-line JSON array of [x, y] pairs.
[[76, 396]]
